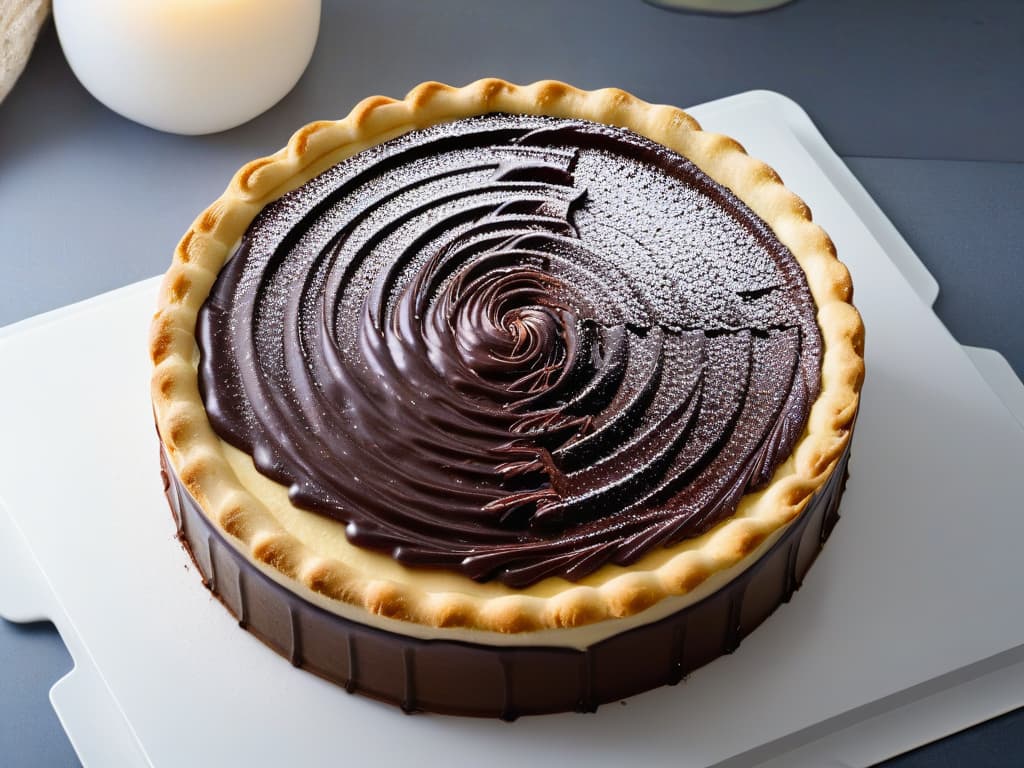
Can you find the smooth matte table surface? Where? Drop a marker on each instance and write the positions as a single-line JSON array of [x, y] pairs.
[[922, 99]]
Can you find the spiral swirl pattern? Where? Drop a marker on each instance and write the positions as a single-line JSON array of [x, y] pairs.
[[516, 347]]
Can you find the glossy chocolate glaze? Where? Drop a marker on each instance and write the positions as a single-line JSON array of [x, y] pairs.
[[515, 347], [496, 681]]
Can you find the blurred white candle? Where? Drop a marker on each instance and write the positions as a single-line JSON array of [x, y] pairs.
[[188, 66]]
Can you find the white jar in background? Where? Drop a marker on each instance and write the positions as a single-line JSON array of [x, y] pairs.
[[720, 6], [188, 66]]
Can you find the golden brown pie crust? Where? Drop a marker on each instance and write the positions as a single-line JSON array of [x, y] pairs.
[[198, 456]]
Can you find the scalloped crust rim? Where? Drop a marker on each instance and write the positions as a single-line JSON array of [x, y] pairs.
[[197, 456]]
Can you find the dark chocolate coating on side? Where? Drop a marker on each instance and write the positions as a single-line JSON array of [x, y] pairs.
[[490, 681]]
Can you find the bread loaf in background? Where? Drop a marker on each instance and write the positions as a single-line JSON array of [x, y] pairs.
[[20, 22]]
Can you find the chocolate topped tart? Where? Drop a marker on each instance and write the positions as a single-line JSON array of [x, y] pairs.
[[505, 400]]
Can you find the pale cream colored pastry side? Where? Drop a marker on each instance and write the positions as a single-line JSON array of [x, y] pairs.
[[310, 554]]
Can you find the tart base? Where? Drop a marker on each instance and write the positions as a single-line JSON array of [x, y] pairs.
[[475, 679]]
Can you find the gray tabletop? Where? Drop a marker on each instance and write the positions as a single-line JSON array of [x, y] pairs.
[[922, 99]]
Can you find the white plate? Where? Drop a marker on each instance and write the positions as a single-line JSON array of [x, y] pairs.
[[911, 610]]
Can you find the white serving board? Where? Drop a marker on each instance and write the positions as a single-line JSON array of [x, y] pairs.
[[906, 628]]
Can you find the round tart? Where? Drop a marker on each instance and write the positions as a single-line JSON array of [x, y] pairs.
[[505, 400]]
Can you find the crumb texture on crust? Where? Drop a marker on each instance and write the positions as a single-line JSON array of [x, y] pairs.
[[200, 459]]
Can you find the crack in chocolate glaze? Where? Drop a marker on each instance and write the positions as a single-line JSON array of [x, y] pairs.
[[515, 347]]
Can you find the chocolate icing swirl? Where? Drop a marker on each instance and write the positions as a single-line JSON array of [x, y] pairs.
[[516, 347]]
